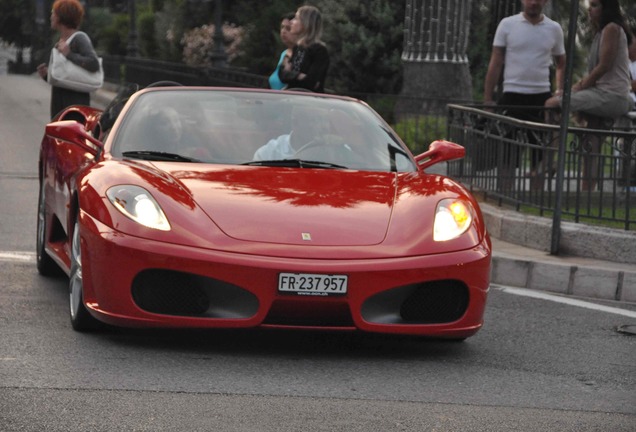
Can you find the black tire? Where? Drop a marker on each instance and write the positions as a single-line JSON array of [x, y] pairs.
[[45, 264], [81, 319]]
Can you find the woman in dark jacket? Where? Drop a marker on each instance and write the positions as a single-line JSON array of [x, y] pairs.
[[66, 17], [308, 64]]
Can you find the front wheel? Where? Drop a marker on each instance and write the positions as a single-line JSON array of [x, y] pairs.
[[81, 319]]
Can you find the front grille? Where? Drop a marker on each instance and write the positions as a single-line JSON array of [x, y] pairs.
[[170, 292]]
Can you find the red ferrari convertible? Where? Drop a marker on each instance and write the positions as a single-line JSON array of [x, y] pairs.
[[214, 207]]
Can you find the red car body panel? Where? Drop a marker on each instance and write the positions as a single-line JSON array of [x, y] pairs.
[[241, 226]]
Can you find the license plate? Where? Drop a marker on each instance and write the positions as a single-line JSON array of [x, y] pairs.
[[312, 284]]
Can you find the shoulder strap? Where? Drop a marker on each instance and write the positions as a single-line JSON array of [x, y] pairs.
[[68, 41]]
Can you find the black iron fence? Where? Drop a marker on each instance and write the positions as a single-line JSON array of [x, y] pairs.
[[515, 162], [511, 161], [118, 69]]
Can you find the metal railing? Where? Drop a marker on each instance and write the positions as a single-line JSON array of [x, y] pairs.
[[515, 162], [143, 71]]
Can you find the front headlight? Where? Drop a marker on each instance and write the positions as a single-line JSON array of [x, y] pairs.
[[137, 204], [453, 217]]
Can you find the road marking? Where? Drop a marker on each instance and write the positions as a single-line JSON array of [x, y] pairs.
[[565, 300], [17, 256]]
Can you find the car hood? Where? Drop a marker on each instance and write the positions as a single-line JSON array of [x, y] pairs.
[[295, 206]]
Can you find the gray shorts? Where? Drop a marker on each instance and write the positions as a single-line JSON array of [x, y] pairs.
[[600, 103]]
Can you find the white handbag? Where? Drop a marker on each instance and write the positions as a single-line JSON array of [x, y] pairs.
[[64, 73]]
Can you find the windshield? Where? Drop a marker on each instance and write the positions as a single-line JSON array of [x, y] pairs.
[[259, 129]]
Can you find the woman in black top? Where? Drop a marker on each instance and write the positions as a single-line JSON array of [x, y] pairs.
[[66, 17], [308, 64]]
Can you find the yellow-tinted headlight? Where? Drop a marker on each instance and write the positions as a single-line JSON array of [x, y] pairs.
[[452, 219]]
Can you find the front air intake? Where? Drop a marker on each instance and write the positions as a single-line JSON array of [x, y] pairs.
[[169, 292], [435, 302]]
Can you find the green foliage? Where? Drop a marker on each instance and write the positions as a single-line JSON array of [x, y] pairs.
[[383, 105], [146, 29], [418, 132], [156, 5], [364, 38], [114, 38], [100, 20], [478, 50], [261, 45], [169, 30], [16, 22]]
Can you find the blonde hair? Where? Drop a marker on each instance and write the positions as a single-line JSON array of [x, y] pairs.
[[311, 20]]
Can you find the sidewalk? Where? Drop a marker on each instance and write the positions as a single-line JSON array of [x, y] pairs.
[[593, 262], [593, 267]]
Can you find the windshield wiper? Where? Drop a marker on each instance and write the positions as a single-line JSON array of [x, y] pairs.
[[158, 156], [294, 163]]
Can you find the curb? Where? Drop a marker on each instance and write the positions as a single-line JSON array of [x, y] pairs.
[[569, 279], [521, 257], [580, 240]]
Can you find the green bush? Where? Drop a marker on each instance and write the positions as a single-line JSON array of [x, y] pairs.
[[114, 38], [169, 30], [96, 25], [147, 42], [419, 131]]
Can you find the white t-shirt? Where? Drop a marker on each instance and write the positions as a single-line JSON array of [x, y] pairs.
[[530, 49], [275, 149]]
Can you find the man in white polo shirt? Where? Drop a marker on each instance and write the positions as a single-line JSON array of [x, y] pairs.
[[524, 48]]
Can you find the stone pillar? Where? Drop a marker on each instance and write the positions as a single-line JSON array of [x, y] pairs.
[[436, 69]]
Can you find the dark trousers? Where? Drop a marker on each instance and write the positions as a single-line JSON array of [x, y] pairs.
[[527, 107], [63, 98]]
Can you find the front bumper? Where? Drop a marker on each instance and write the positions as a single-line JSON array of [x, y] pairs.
[[134, 282]]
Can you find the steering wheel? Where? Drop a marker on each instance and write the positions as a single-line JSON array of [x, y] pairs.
[[311, 144], [322, 143]]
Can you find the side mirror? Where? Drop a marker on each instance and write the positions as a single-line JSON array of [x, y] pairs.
[[74, 133], [439, 151]]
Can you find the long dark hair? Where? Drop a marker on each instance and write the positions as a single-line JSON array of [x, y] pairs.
[[611, 13]]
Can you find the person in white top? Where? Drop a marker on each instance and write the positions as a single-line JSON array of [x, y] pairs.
[[525, 46], [305, 128]]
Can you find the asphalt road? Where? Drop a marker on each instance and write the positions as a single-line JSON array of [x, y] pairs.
[[537, 364]]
